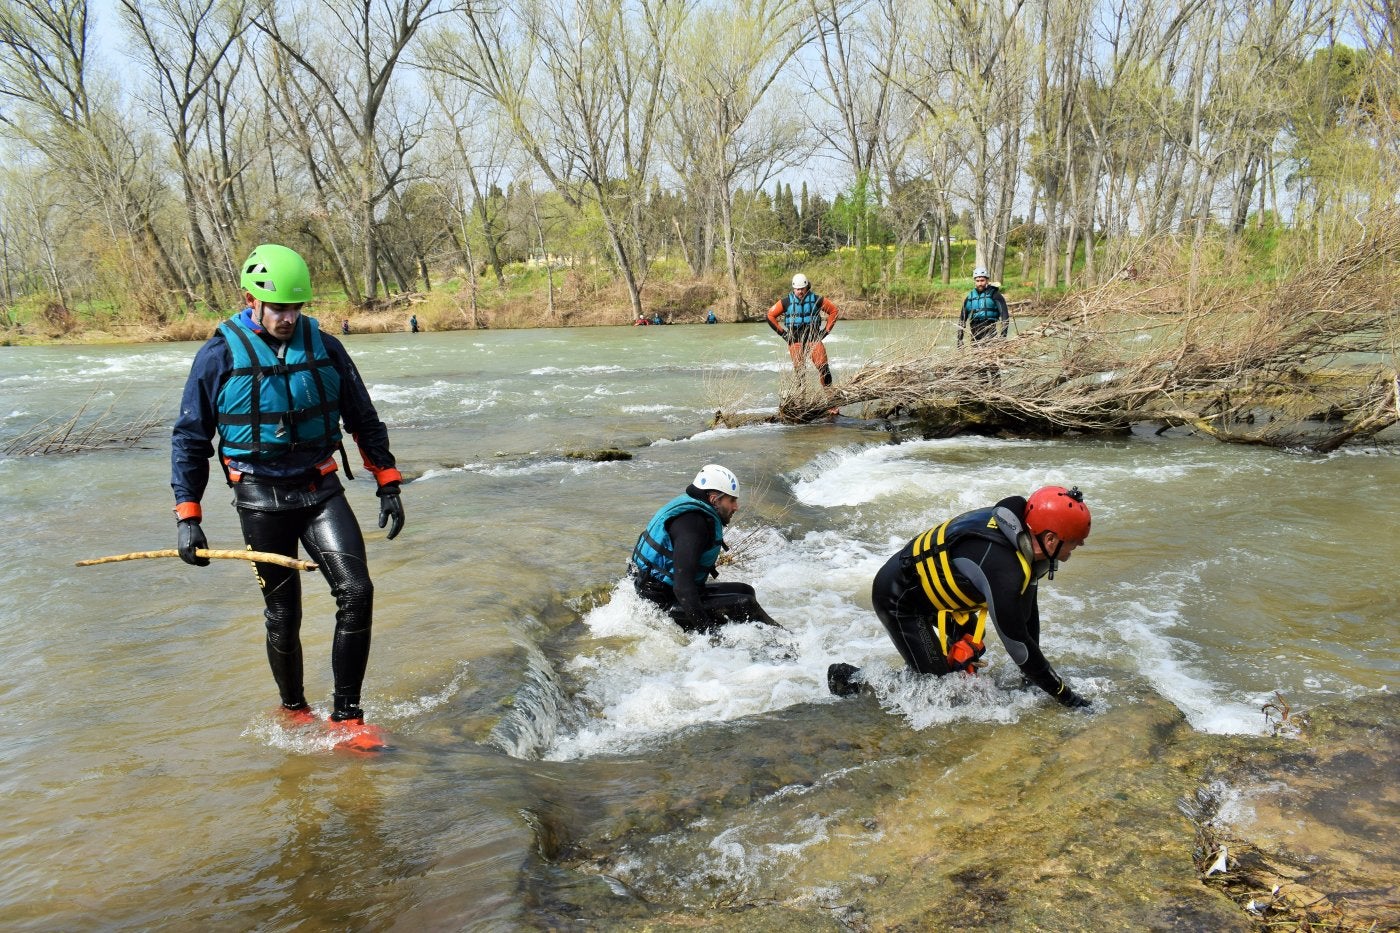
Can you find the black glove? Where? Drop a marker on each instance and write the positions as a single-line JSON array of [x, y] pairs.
[[192, 537], [390, 508], [1067, 697]]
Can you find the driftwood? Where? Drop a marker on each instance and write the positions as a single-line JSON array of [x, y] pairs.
[[263, 557], [1308, 362]]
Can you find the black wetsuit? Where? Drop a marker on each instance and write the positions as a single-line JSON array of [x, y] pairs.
[[981, 566], [274, 518], [697, 607]]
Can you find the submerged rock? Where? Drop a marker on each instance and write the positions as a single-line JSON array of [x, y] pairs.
[[599, 455], [1058, 821]]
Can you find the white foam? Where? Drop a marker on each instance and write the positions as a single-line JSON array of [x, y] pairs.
[[654, 409], [925, 702], [936, 472], [574, 370], [1162, 659], [648, 680], [651, 679]]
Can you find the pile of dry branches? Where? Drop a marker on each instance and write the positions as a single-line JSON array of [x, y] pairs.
[[83, 430], [1309, 362]]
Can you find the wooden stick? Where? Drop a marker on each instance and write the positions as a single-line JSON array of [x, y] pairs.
[[260, 556]]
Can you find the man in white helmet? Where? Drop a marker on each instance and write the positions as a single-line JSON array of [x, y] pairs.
[[983, 308], [676, 553], [797, 318]]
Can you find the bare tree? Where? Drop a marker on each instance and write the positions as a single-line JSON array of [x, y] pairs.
[[355, 69], [856, 85], [581, 85], [62, 110], [187, 42], [306, 125], [727, 63], [477, 157], [984, 60]]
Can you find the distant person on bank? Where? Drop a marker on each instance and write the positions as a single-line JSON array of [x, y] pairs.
[[676, 554], [983, 309], [935, 595], [803, 319], [276, 390]]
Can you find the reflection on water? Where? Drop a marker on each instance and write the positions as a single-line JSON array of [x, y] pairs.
[[561, 751]]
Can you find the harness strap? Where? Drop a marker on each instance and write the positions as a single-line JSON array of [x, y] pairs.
[[328, 426], [936, 571], [255, 396]]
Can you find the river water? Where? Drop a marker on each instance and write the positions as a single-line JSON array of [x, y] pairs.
[[561, 756]]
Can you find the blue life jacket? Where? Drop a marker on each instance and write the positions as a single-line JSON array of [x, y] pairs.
[[981, 306], [269, 407], [653, 556], [802, 313]]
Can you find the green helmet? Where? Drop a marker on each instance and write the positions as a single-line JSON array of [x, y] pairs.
[[276, 273]]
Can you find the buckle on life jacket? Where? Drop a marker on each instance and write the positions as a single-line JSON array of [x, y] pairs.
[[963, 654]]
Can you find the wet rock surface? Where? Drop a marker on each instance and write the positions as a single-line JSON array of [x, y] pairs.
[[1060, 821]]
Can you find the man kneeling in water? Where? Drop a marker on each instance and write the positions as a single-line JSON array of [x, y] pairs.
[[935, 595], [676, 555]]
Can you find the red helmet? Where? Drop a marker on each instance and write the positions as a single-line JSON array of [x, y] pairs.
[[1061, 510]]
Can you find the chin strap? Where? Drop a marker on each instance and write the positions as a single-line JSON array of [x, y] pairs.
[[1054, 558]]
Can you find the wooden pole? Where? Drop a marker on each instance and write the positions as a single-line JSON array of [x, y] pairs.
[[259, 556]]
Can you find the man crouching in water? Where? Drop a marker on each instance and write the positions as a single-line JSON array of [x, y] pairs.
[[676, 555], [935, 595]]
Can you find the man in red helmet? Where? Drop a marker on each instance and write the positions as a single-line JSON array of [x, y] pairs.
[[934, 597]]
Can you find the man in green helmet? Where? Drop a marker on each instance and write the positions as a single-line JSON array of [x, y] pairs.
[[276, 391]]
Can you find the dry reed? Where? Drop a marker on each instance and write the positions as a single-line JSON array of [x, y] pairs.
[[78, 432]]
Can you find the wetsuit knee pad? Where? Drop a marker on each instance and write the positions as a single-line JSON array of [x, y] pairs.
[[355, 598], [349, 578], [282, 617]]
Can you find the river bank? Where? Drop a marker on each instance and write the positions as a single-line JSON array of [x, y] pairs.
[[449, 309]]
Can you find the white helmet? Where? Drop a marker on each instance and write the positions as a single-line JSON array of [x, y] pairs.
[[714, 476], [800, 281], [980, 273]]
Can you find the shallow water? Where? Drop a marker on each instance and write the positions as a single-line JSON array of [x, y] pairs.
[[562, 755]]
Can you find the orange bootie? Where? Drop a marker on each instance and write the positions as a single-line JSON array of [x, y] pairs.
[[297, 715], [356, 735]]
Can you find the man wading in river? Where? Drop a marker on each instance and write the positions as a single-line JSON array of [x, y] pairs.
[[797, 318], [276, 389], [676, 553], [935, 595]]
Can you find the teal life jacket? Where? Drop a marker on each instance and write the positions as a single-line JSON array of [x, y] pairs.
[[801, 314], [269, 407], [653, 556], [981, 307]]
